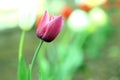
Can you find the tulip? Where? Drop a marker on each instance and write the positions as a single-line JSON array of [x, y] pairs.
[[66, 11], [49, 27], [27, 14], [85, 7]]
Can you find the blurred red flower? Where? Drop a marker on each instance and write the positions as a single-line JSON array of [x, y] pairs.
[[66, 11]]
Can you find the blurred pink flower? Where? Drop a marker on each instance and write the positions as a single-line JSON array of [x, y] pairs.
[[49, 27]]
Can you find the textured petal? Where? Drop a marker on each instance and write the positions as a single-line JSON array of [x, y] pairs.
[[53, 29], [41, 27], [49, 27], [44, 20], [41, 32]]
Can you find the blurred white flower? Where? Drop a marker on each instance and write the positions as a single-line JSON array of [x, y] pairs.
[[27, 12], [78, 20], [98, 16], [8, 14], [8, 20]]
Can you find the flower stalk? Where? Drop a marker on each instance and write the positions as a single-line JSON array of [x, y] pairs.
[[21, 63], [21, 44], [33, 60]]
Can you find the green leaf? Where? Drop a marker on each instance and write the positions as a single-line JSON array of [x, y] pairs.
[[44, 69], [22, 70], [73, 61], [43, 65], [29, 73]]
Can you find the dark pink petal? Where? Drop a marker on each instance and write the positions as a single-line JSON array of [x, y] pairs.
[[53, 29], [41, 27], [41, 32], [49, 27], [45, 19], [52, 18]]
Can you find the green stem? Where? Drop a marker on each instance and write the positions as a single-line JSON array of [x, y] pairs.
[[36, 54], [21, 45], [33, 61], [20, 55], [80, 39]]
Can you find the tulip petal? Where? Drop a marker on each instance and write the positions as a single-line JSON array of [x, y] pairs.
[[41, 27], [53, 28], [49, 27], [44, 20]]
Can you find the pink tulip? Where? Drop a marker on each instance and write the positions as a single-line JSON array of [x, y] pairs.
[[49, 27]]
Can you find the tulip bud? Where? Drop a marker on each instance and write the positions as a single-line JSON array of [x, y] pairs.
[[49, 27], [27, 14]]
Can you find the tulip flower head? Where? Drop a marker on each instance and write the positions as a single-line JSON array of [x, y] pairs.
[[49, 27], [27, 14]]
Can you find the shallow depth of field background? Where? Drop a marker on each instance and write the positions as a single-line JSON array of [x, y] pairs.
[[97, 42]]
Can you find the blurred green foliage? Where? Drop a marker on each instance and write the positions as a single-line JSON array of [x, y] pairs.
[[91, 53]]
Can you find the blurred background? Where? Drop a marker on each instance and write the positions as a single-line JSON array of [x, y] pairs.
[[87, 48]]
